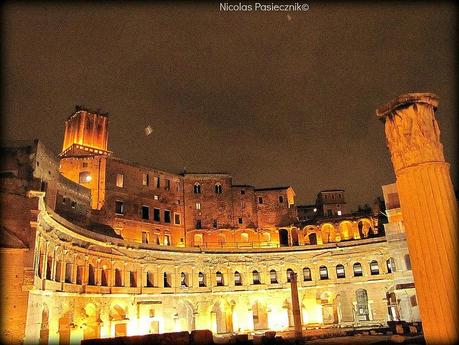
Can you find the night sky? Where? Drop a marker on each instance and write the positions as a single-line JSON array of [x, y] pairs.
[[272, 99]]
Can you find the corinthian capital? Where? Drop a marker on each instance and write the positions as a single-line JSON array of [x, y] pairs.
[[412, 133]]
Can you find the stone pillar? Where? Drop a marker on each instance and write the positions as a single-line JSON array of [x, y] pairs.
[[429, 209], [296, 306]]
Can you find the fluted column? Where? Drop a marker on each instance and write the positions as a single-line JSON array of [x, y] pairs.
[[429, 209]]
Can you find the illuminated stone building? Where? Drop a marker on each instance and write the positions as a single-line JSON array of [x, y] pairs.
[[96, 246]]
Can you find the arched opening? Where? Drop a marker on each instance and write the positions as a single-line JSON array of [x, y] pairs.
[[197, 188], [118, 278], [197, 239], [289, 275], [374, 267], [185, 317], [201, 279], [307, 274], [150, 279], [392, 307], [390, 263], [323, 272], [219, 278], [64, 328], [363, 312], [92, 328], [118, 317], [283, 237], [222, 318], [183, 280], [237, 279], [312, 238], [91, 275], [260, 316], [104, 276], [340, 272]]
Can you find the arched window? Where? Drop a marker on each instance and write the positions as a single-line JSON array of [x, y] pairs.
[[132, 278], [118, 278], [91, 275], [273, 276], [307, 274], [289, 275], [266, 237], [197, 188], [407, 262], [256, 277], [374, 268], [197, 239], [219, 278], [183, 280], [237, 279], [244, 237], [340, 272], [218, 188], [323, 272], [390, 263], [358, 269], [201, 279]]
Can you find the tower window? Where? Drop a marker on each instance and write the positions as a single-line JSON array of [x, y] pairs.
[[242, 192], [198, 224], [214, 224], [168, 185], [120, 180], [197, 188], [85, 177], [177, 220], [260, 200], [240, 220], [218, 188], [281, 199], [198, 205]]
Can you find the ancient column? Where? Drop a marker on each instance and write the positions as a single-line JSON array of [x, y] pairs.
[[429, 209], [296, 306]]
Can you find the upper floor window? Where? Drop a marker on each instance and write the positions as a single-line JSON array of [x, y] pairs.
[[307, 274], [237, 279], [281, 199], [198, 224], [374, 268], [158, 182], [390, 265], [323, 272], [120, 180], [242, 192], [198, 205], [197, 188], [289, 275], [357, 269], [240, 220], [119, 207], [201, 279], [219, 278], [256, 277], [177, 219], [85, 177], [167, 216], [168, 184], [145, 212], [156, 215], [273, 276], [340, 273], [214, 224], [167, 240], [145, 179], [218, 188], [260, 200]]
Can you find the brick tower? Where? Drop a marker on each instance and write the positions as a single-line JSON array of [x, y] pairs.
[[84, 151]]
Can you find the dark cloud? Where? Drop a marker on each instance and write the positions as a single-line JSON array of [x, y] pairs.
[[273, 101]]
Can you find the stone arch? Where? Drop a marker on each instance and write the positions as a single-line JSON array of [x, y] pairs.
[[260, 315], [294, 234], [345, 230], [185, 316], [118, 317], [328, 232], [365, 227], [64, 330], [222, 319], [329, 311], [283, 238]]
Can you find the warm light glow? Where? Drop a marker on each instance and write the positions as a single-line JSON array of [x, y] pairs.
[[88, 178], [339, 213]]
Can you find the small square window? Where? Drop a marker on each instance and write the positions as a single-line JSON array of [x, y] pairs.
[[240, 220], [85, 164], [156, 197]]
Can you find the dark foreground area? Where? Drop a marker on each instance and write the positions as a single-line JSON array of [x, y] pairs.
[[205, 337]]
